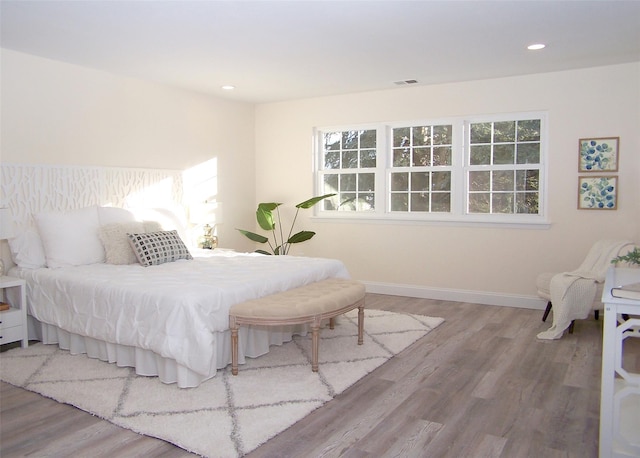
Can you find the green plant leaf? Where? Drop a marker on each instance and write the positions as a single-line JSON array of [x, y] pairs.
[[269, 206], [265, 218], [263, 252], [253, 236], [314, 200], [301, 237]]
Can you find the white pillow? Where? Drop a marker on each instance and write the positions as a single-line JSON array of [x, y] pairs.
[[27, 251], [116, 243], [110, 215], [71, 238], [173, 218]]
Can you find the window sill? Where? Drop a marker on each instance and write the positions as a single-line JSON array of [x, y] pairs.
[[499, 222]]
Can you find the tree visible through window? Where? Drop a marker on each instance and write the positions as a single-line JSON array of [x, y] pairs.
[[504, 167], [480, 169], [350, 160], [421, 169]]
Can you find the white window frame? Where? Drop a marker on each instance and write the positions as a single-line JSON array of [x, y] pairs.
[[459, 169]]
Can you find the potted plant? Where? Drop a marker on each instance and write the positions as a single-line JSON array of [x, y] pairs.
[[631, 258], [270, 221]]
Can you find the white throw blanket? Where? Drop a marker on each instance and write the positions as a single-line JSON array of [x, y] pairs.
[[572, 293]]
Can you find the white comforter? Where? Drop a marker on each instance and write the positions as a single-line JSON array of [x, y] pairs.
[[172, 309]]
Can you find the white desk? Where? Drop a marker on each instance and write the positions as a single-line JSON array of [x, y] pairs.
[[13, 322], [620, 389]]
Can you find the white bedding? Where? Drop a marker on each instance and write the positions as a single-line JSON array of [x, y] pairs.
[[176, 310]]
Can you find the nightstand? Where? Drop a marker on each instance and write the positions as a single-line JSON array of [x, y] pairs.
[[13, 322]]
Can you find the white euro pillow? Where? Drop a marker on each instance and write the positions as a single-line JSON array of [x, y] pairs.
[[26, 248], [70, 238], [112, 215]]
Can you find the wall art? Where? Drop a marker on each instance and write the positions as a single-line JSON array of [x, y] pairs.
[[598, 154], [597, 192]]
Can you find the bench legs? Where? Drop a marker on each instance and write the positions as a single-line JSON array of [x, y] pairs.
[[315, 336], [234, 348], [315, 339], [315, 342], [361, 324]]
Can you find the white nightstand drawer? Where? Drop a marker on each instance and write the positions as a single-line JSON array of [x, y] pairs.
[[12, 334], [10, 318]]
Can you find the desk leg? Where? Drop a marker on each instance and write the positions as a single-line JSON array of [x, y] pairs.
[[608, 377]]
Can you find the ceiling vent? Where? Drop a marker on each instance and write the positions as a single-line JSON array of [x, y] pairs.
[[405, 82]]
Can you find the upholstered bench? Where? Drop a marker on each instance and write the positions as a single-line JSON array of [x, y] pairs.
[[311, 304]]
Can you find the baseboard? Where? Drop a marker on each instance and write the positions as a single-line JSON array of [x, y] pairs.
[[443, 294]]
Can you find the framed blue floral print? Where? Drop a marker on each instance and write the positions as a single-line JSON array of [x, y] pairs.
[[599, 154], [597, 192]]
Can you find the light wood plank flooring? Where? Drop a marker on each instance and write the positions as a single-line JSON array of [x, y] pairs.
[[480, 385]]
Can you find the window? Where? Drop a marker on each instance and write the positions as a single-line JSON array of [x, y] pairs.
[[504, 167], [421, 169], [481, 169]]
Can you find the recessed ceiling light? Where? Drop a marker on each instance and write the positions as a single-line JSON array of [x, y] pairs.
[[536, 46], [228, 87]]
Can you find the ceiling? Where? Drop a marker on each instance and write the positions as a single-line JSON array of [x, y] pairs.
[[283, 50]]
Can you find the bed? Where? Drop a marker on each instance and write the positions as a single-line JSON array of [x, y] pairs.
[[168, 319]]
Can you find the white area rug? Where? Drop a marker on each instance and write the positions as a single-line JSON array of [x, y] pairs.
[[226, 416]]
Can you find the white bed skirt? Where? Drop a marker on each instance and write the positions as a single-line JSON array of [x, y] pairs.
[[252, 343]]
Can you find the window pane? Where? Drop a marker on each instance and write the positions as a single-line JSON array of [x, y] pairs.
[[366, 202], [480, 155], [332, 160], [421, 136], [330, 184], [399, 202], [349, 159], [529, 131], [366, 182], [332, 140], [347, 201], [527, 202], [502, 203], [441, 181], [421, 157], [481, 132], [441, 202], [399, 181], [479, 181], [350, 139], [442, 135], [420, 181], [527, 180], [401, 137], [479, 202], [401, 158], [348, 182], [368, 159], [442, 155], [331, 203], [503, 180], [504, 154], [368, 139], [419, 202], [504, 131], [528, 153]]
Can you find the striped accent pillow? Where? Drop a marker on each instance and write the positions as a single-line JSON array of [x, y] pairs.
[[154, 248]]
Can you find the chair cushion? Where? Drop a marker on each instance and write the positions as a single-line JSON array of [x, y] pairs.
[[543, 287]]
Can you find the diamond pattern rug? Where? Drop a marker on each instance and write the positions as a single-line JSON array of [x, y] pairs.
[[225, 416]]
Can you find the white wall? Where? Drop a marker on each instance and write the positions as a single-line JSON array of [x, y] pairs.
[[57, 113], [500, 262]]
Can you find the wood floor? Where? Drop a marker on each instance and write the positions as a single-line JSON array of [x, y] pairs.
[[480, 385]]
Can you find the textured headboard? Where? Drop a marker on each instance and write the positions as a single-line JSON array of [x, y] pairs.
[[27, 189]]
